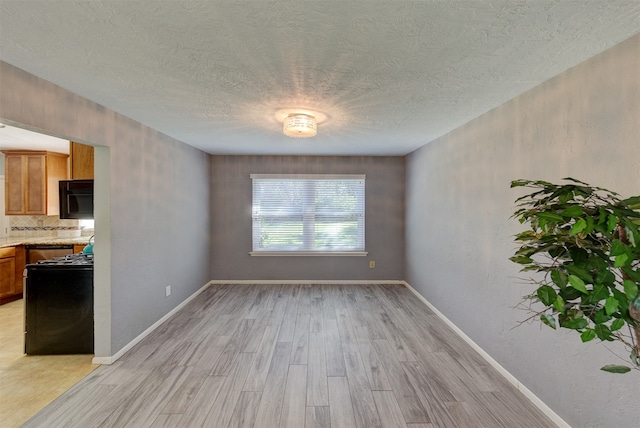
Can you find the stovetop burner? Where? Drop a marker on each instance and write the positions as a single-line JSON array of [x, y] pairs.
[[70, 259]]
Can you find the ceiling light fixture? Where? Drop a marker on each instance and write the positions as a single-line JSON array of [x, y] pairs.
[[300, 125]]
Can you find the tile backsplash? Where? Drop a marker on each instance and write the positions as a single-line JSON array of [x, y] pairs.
[[41, 225]]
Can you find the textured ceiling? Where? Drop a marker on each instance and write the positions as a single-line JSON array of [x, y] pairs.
[[389, 75]]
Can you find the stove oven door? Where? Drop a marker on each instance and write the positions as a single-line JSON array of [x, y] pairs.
[[58, 310]]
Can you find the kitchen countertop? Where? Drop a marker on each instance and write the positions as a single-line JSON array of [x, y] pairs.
[[13, 241]]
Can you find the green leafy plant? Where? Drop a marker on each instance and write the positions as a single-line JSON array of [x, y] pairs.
[[584, 242]]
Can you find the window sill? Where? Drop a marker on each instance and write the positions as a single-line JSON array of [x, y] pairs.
[[308, 253]]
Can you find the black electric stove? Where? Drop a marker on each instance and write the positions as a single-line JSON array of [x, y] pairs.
[[59, 305]]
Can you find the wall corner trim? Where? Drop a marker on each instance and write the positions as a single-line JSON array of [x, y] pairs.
[[508, 376], [112, 359]]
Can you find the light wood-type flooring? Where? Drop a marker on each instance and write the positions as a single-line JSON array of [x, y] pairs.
[[29, 383], [297, 356]]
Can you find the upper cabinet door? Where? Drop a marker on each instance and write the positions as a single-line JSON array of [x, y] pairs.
[[15, 187], [36, 189], [80, 161], [31, 181]]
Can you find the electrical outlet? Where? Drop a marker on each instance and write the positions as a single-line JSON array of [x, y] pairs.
[[372, 264], [167, 291]]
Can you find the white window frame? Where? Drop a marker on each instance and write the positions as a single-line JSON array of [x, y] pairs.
[[308, 218]]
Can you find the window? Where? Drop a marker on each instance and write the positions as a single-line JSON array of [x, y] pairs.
[[308, 214]]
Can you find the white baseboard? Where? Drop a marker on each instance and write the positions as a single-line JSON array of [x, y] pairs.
[[512, 379], [305, 281], [112, 359]]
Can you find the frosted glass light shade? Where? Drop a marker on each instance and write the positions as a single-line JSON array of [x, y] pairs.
[[299, 126]]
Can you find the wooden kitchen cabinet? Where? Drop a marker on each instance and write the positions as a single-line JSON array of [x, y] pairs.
[[12, 263], [21, 261], [31, 181], [7, 274], [80, 161]]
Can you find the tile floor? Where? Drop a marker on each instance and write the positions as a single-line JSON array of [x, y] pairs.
[[29, 383]]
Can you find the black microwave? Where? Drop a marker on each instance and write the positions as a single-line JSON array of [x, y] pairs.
[[76, 199]]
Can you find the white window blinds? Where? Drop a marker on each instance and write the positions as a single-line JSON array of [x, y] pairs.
[[308, 213]]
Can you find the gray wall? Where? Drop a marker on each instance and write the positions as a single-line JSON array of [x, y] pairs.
[[231, 219], [584, 123], [152, 219]]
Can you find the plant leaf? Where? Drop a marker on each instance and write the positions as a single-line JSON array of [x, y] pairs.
[[620, 260], [573, 211], [570, 293], [602, 215], [617, 324], [633, 274], [579, 272], [630, 288], [580, 257], [588, 335], [550, 217], [547, 295], [623, 301], [566, 197], [603, 332], [617, 248], [559, 278], [632, 201], [578, 284], [613, 368], [630, 236], [575, 324], [548, 320], [600, 292], [578, 227], [523, 260], [574, 180], [605, 277], [559, 304], [601, 317], [519, 183], [611, 305], [590, 225]]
